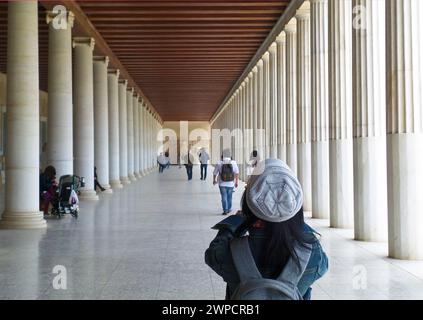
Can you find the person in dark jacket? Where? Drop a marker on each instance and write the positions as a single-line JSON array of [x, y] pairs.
[[272, 215], [48, 187]]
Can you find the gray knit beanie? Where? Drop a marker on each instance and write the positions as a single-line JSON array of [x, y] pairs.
[[273, 193]]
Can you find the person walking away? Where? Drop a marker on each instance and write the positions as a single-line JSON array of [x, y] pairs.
[[161, 160], [188, 166], [96, 183], [282, 256], [204, 159], [226, 174]]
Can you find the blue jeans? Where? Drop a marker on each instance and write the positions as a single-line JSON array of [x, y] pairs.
[[189, 172], [203, 171], [226, 194]]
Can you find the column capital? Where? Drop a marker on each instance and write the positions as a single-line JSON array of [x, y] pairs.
[[260, 64], [78, 41], [123, 81], [265, 56], [70, 18], [250, 75], [130, 90], [291, 26], [272, 48], [115, 72], [303, 12], [255, 70], [104, 59], [281, 38]]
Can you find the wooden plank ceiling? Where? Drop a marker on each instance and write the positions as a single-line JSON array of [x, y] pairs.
[[184, 55]]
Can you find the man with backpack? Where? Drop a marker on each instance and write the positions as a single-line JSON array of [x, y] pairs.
[[226, 175]]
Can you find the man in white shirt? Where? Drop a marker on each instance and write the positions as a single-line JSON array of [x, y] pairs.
[[226, 175], [204, 159]]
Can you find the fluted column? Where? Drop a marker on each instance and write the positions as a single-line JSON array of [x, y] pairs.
[[123, 132], [291, 93], [369, 104], [340, 114], [101, 122], [405, 128], [319, 109], [141, 133], [136, 137], [273, 91], [255, 107], [22, 161], [261, 135], [113, 102], [266, 102], [83, 131], [130, 119], [281, 93], [60, 136], [304, 103], [143, 138]]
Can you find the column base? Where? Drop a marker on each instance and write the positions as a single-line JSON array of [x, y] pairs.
[[88, 195], [125, 180], [108, 189], [132, 177], [138, 175], [116, 184], [19, 220]]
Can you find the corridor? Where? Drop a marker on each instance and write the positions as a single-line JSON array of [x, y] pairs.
[[147, 241]]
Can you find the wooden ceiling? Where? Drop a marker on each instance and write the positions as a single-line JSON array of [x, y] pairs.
[[184, 55]]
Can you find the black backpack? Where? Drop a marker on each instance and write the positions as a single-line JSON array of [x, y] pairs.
[[227, 172]]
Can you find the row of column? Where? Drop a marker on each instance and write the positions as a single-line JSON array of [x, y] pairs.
[[339, 95], [94, 118]]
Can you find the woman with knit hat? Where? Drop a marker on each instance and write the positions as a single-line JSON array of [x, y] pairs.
[[267, 251]]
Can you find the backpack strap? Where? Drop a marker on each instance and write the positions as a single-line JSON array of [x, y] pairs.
[[291, 274], [244, 260]]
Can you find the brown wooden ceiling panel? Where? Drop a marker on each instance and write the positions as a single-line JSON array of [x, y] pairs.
[[184, 55]]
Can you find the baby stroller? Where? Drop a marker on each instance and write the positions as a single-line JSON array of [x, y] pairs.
[[66, 201]]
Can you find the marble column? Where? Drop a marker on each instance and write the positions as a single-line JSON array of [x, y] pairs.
[[319, 109], [291, 94], [130, 119], [266, 103], [23, 146], [254, 108], [143, 138], [273, 91], [83, 115], [369, 140], [59, 124], [405, 128], [281, 93], [141, 133], [113, 103], [304, 103], [123, 132], [136, 137], [340, 114], [101, 121], [261, 136]]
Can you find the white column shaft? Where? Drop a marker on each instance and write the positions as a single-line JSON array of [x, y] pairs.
[[340, 114], [84, 115], [123, 133], [60, 136], [130, 120], [113, 103], [22, 161], [319, 109], [281, 92], [405, 128]]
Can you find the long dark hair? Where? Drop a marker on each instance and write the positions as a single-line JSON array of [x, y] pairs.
[[283, 238]]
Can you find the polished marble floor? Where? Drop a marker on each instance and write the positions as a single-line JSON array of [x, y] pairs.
[[147, 241]]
